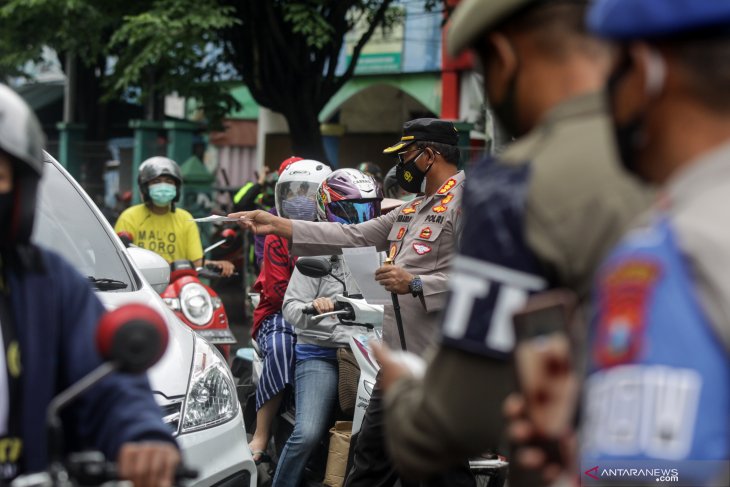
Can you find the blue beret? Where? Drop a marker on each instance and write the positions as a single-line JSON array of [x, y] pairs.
[[645, 19]]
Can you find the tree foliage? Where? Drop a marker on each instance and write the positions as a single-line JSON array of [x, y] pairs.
[[174, 46], [131, 48], [288, 51]]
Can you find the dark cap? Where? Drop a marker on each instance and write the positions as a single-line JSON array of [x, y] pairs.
[[425, 130], [646, 19]]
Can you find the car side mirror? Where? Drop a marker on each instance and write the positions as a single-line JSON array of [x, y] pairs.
[[314, 267], [154, 269]]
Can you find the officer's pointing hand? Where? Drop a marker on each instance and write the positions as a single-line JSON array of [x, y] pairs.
[[263, 223], [394, 279]]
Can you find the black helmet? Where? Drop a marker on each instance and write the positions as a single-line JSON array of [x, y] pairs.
[[371, 169], [22, 139], [155, 167], [391, 188]]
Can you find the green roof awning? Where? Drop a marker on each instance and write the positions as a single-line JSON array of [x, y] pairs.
[[424, 87]]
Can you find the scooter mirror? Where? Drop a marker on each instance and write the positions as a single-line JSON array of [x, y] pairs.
[[313, 267], [133, 336]]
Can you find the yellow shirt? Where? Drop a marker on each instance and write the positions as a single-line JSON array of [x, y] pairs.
[[173, 235]]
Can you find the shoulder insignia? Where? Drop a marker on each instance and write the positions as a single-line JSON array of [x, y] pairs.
[[447, 186], [412, 207], [625, 292], [421, 249], [443, 206]]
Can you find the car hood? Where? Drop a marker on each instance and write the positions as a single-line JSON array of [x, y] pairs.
[[169, 377]]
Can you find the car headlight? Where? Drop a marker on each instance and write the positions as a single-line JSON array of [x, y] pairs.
[[196, 304], [211, 398]]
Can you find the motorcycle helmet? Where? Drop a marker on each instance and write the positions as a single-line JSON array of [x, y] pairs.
[[21, 137], [155, 167], [287, 162], [296, 189], [390, 184], [348, 196]]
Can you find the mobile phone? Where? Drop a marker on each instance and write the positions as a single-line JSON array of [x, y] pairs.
[[544, 367]]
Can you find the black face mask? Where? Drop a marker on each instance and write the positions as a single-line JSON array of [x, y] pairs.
[[506, 110], [410, 178], [6, 210], [628, 135]]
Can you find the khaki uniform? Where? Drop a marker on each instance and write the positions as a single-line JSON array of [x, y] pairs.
[[421, 235], [541, 216]]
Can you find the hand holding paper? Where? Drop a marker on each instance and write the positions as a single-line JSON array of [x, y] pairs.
[[217, 218]]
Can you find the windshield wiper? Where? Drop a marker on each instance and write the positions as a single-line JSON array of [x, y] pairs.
[[104, 284]]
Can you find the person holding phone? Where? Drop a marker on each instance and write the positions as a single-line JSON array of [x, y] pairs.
[[657, 394]]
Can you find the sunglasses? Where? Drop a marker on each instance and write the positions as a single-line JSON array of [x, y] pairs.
[[402, 160]]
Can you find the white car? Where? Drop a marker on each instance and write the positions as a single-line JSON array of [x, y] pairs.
[[192, 383]]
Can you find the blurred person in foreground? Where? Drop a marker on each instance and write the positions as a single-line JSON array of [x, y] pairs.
[[541, 215], [48, 320], [657, 393]]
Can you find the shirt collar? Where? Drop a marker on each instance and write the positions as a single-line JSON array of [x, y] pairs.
[[707, 171], [447, 187], [576, 106]]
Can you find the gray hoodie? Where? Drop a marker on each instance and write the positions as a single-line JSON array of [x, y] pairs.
[[300, 293]]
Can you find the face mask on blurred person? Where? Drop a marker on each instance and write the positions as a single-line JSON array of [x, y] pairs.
[[299, 208], [6, 209], [162, 194], [631, 134], [506, 110]]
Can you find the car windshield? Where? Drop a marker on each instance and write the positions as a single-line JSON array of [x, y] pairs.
[[66, 224]]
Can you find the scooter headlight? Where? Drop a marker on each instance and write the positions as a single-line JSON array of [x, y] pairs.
[[196, 304], [211, 398]]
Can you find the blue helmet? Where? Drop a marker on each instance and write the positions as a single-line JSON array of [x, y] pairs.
[[647, 19]]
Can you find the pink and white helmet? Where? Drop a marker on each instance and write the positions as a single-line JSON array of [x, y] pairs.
[[348, 196]]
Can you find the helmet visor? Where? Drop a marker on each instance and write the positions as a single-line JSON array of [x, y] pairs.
[[296, 200], [348, 212]]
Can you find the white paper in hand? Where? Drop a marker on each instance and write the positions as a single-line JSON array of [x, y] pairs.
[[363, 262], [216, 219]]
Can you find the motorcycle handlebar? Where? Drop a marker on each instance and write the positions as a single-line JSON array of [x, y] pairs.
[[309, 310], [90, 468]]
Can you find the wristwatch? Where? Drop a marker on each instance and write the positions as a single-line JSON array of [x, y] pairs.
[[416, 286]]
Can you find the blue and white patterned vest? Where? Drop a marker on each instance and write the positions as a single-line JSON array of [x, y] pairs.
[[658, 387]]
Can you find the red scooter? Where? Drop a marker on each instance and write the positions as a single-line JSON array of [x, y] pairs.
[[195, 303]]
